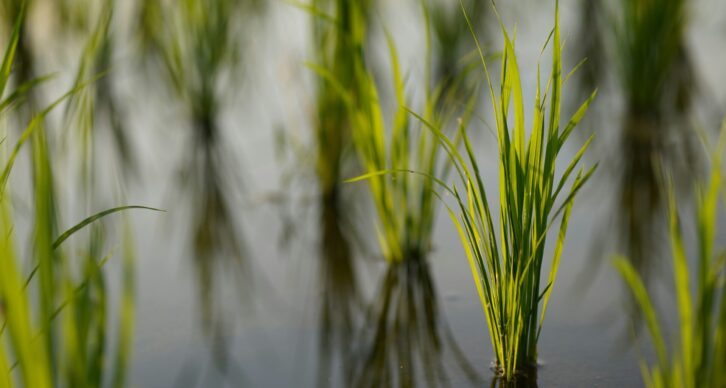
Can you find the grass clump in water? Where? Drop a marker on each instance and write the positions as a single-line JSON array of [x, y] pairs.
[[404, 202], [387, 152], [698, 357], [507, 261]]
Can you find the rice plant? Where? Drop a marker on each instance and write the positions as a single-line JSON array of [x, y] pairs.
[[647, 42], [55, 328], [404, 203], [697, 357], [340, 32], [506, 262], [657, 84]]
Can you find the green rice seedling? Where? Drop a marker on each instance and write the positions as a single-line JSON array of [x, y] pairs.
[[404, 202], [340, 32], [697, 357], [197, 43], [55, 327], [506, 262]]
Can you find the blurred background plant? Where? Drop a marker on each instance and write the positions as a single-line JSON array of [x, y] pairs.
[[97, 106], [406, 306], [61, 326], [452, 43], [658, 81], [340, 33], [11, 10], [697, 357], [399, 162], [641, 46]]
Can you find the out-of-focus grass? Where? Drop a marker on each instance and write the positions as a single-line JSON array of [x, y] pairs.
[[340, 33], [55, 319], [404, 202], [651, 50], [451, 37], [699, 353]]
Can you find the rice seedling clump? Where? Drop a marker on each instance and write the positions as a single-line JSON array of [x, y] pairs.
[[506, 261]]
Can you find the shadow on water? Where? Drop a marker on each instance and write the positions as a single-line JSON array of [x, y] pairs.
[[405, 337]]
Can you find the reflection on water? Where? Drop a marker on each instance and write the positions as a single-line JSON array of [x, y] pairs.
[[641, 191], [400, 337], [198, 47], [404, 338], [24, 67], [216, 240], [341, 303], [521, 381]]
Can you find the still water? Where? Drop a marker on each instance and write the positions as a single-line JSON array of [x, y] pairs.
[[291, 291]]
